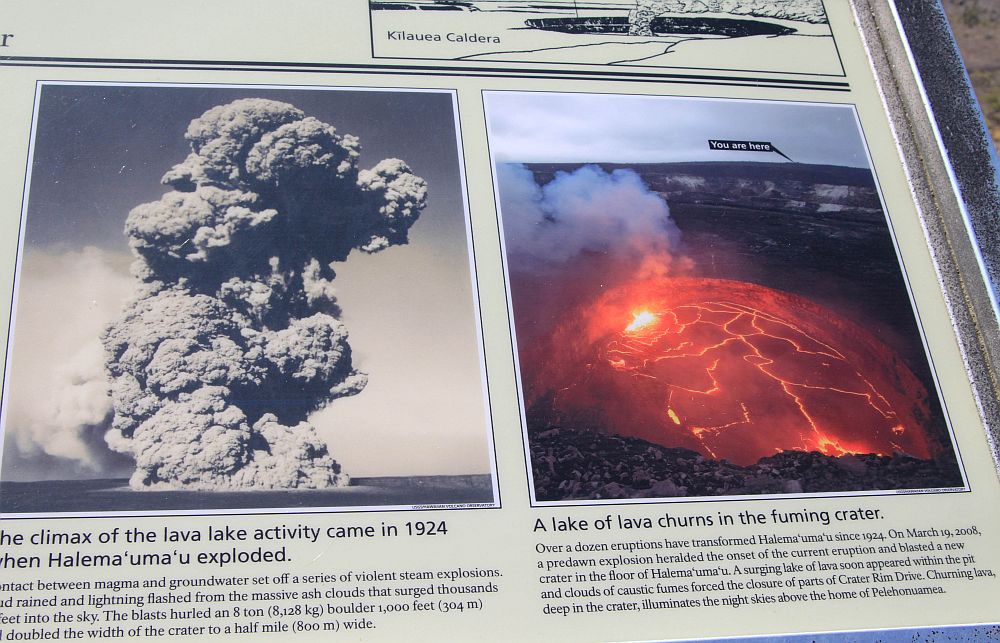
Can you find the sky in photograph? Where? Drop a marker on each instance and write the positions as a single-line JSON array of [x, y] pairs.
[[99, 151], [537, 127]]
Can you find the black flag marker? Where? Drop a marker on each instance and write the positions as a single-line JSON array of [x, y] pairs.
[[779, 152]]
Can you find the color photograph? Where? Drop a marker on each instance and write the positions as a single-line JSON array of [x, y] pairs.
[[706, 300], [232, 298]]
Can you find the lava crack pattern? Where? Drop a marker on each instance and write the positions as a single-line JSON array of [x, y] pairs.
[[737, 371]]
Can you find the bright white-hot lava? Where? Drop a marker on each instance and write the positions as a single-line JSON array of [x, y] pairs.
[[642, 319]]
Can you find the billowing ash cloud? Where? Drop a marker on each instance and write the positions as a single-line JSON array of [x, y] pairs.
[[580, 233], [642, 15], [233, 338]]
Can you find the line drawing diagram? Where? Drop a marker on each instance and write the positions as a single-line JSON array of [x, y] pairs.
[[763, 36]]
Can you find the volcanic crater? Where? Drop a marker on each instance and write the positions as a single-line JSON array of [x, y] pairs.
[[785, 360]]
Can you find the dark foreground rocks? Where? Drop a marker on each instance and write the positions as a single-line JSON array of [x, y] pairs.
[[571, 464]]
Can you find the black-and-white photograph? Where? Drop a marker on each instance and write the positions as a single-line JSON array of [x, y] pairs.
[[237, 298]]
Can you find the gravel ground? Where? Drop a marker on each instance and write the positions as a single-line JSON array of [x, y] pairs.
[[976, 25]]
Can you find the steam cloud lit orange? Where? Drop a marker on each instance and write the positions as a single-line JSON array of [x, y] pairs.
[[732, 370]]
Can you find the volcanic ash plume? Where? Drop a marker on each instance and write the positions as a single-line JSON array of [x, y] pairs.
[[233, 337]]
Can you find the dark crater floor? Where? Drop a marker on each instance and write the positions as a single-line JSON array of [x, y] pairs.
[[573, 464]]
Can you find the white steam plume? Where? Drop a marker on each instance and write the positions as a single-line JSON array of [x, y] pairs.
[[613, 218], [578, 234], [58, 401], [233, 337]]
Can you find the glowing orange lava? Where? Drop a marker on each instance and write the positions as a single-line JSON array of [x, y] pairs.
[[733, 370]]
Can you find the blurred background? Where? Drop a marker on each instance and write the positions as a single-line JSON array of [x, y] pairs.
[[976, 24]]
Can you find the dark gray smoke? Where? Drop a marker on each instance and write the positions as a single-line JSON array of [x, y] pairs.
[[233, 337]]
